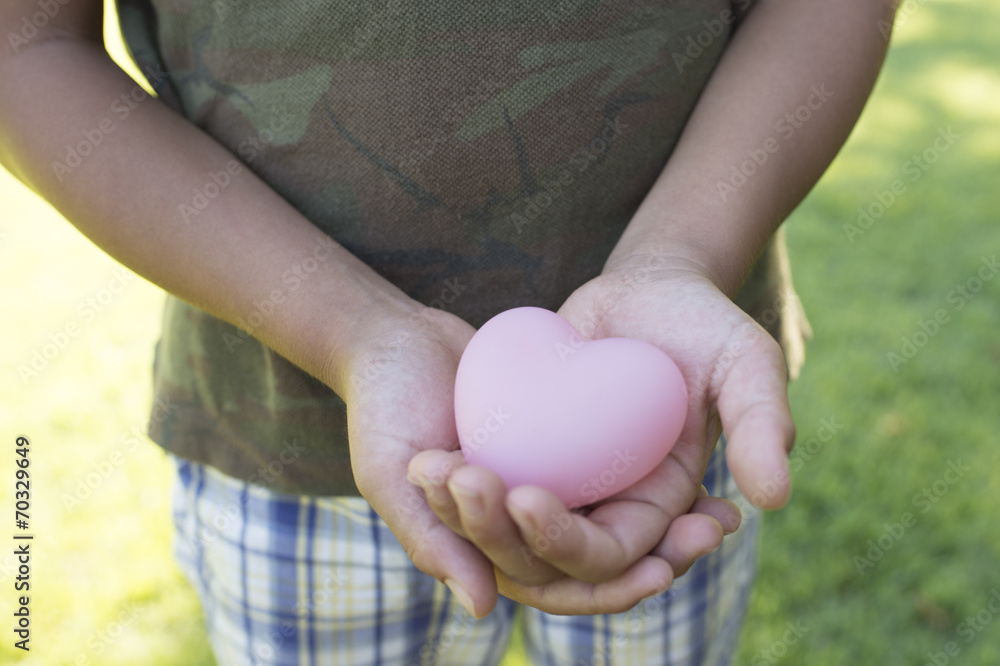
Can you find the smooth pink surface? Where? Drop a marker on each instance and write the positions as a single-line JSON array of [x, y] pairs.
[[539, 406]]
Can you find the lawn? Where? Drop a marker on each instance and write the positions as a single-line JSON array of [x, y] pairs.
[[885, 554]]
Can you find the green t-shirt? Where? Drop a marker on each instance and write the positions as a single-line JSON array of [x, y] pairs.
[[479, 155]]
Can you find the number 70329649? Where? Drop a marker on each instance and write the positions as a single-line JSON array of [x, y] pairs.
[[22, 485]]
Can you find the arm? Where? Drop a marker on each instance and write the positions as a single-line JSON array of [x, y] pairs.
[[822, 56], [669, 281], [124, 196], [786, 55]]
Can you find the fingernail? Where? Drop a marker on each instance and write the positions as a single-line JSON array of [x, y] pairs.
[[469, 501], [462, 596], [519, 515], [733, 525]]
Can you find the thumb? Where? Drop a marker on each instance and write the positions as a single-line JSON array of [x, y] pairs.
[[432, 546], [757, 420]]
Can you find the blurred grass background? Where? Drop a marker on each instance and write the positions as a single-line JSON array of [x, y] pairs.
[[104, 587]]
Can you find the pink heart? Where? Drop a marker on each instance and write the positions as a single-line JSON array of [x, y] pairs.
[[586, 419]]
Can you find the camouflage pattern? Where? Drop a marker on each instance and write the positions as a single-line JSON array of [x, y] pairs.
[[482, 156]]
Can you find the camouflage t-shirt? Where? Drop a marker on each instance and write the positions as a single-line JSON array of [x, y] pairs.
[[479, 155]]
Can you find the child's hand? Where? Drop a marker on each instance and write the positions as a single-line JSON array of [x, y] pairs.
[[647, 534], [399, 388], [398, 383], [735, 371]]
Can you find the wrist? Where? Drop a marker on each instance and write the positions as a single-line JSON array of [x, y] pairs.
[[668, 259], [355, 344]]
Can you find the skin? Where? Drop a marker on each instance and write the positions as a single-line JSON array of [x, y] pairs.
[[684, 255], [682, 258]]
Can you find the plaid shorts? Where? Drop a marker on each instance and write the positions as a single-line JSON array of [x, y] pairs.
[[304, 580]]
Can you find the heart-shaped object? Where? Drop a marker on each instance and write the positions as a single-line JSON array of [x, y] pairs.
[[540, 406]]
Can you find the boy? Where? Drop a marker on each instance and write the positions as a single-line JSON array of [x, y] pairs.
[[336, 196]]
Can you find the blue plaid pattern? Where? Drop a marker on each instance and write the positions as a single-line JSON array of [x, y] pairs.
[[301, 580]]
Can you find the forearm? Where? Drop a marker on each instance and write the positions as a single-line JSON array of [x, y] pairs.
[[247, 246], [709, 208]]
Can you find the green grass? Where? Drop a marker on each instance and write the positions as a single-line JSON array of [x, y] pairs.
[[899, 429], [93, 559]]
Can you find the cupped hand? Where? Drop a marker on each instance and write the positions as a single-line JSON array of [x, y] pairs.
[[398, 384], [736, 378], [568, 562]]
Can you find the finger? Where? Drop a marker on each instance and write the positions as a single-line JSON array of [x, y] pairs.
[[722, 510], [637, 518], [689, 537], [437, 551], [594, 549], [433, 547], [570, 596], [480, 495], [431, 470], [753, 405]]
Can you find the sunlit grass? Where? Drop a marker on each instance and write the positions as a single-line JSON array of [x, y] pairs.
[[902, 429]]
